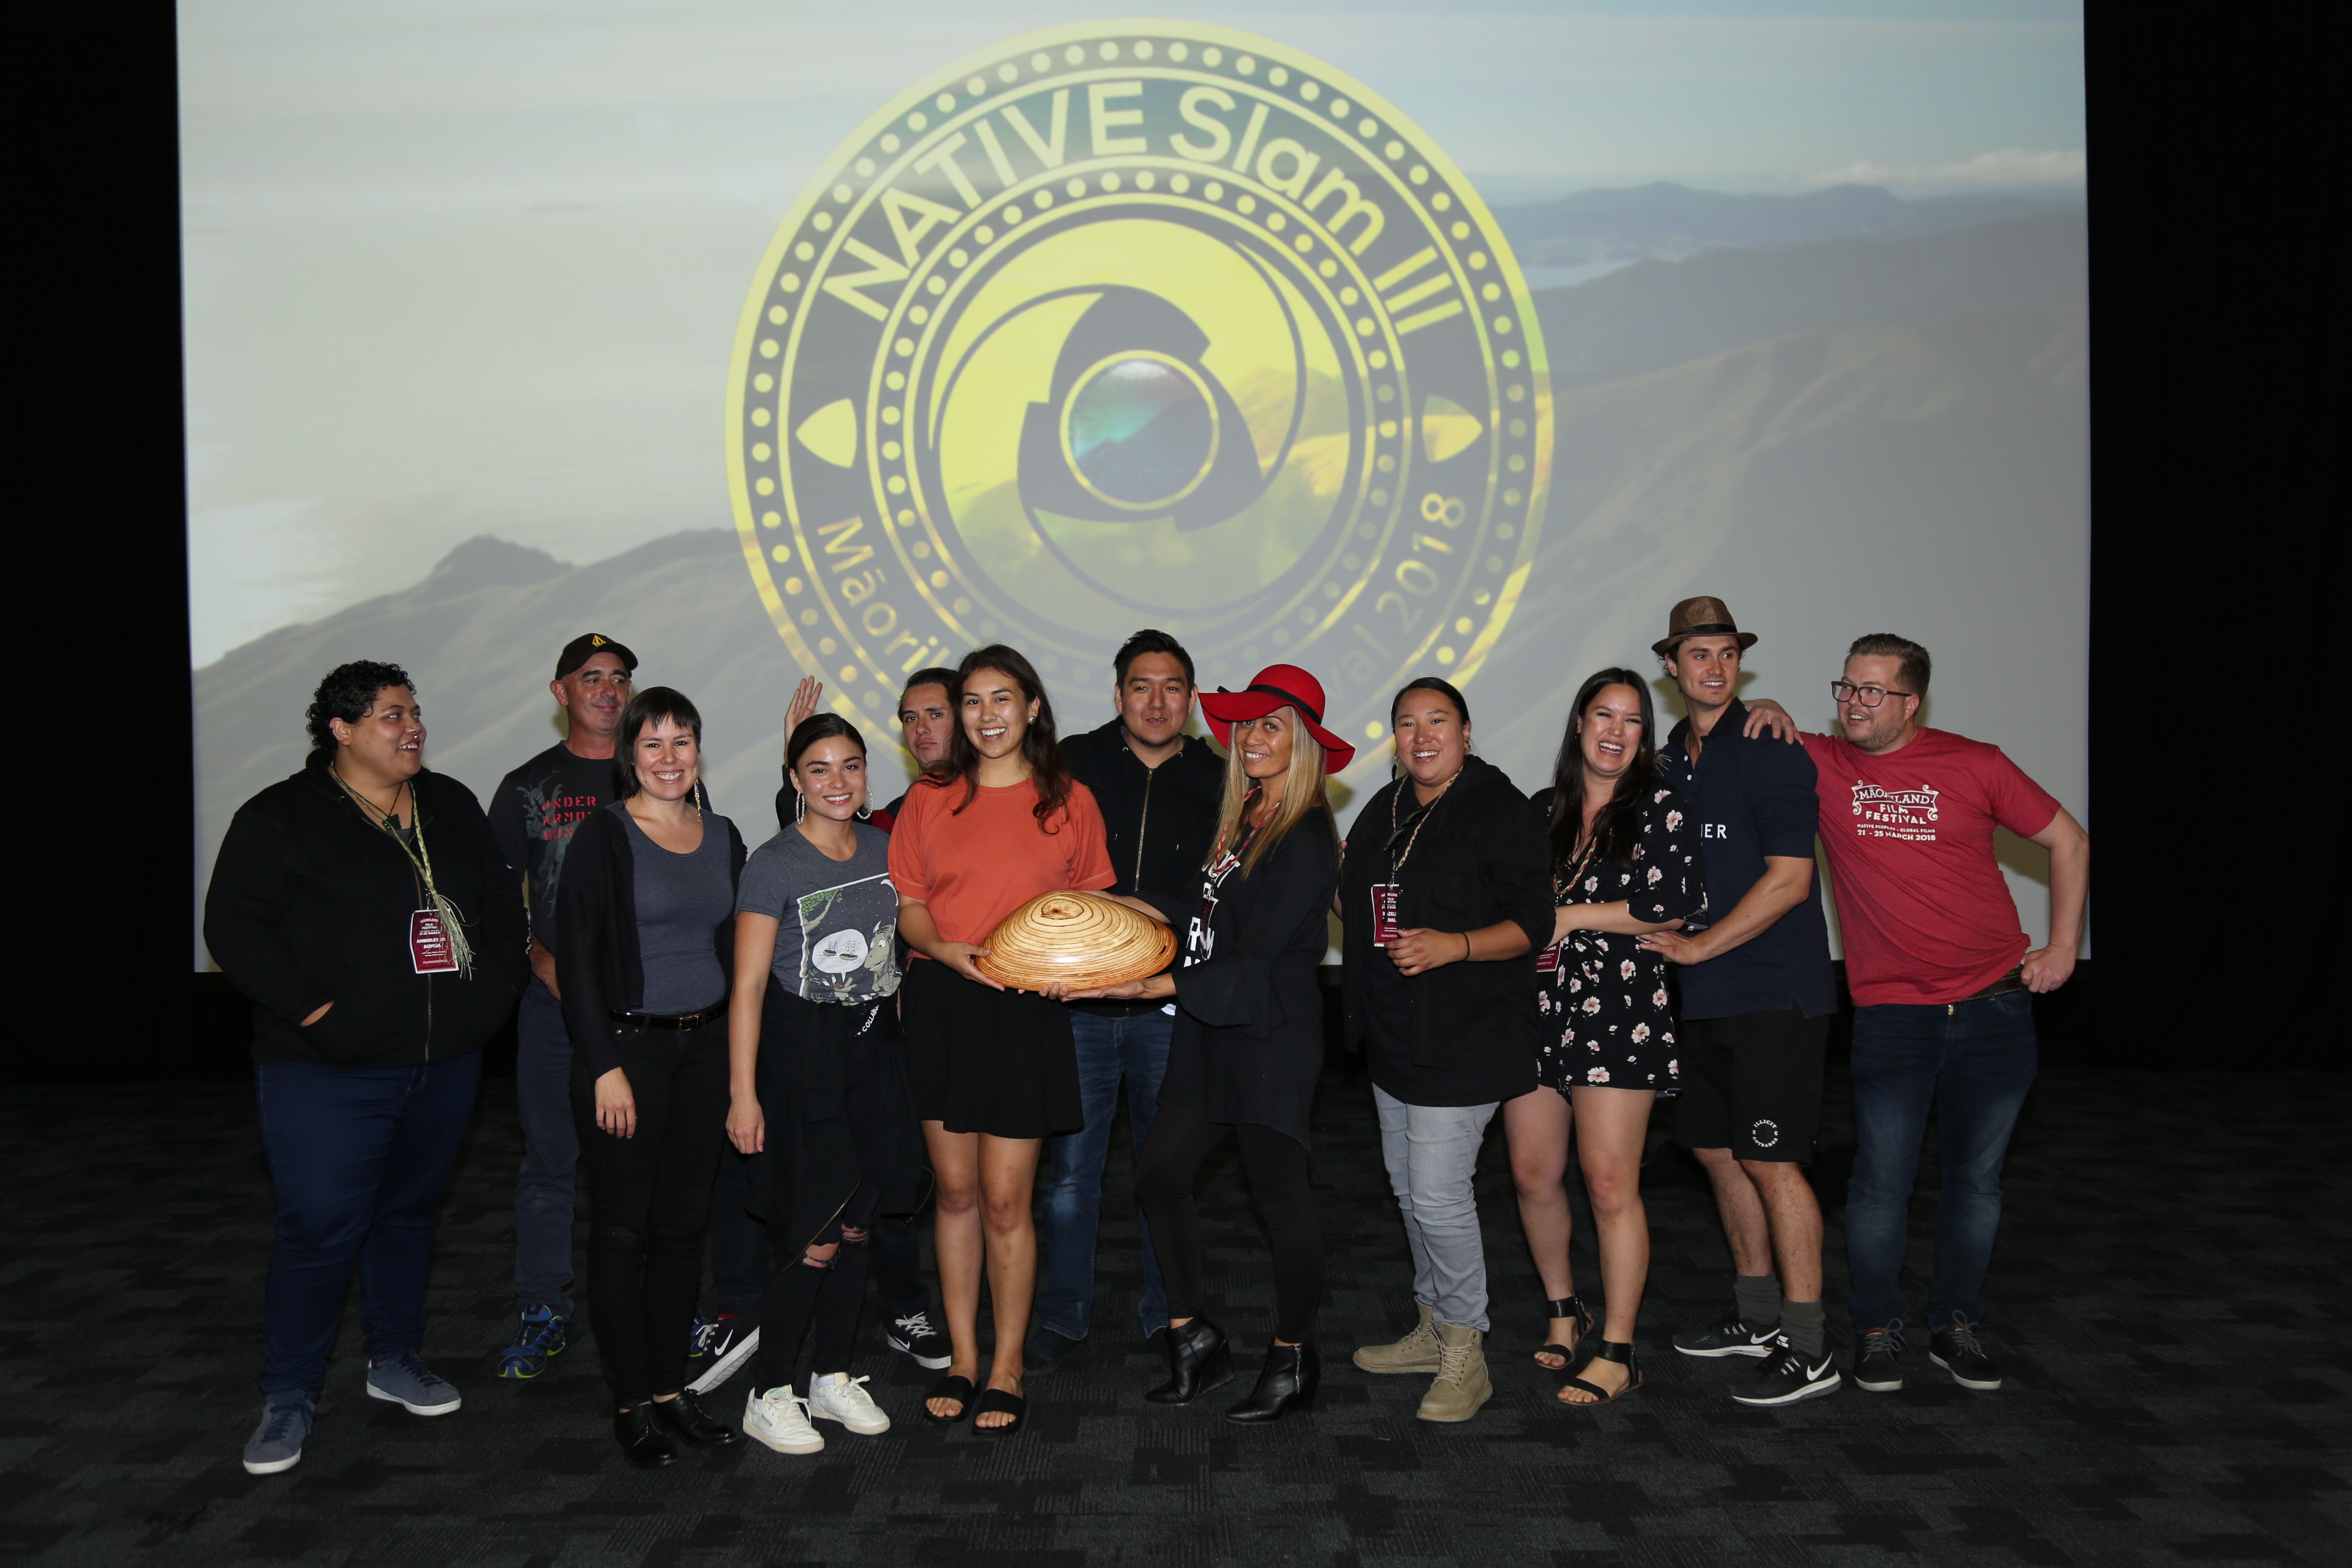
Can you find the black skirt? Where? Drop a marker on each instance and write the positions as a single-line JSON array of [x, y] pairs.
[[1000, 1062], [832, 1081]]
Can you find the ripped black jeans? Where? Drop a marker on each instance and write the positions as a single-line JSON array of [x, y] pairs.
[[804, 1286], [649, 1203]]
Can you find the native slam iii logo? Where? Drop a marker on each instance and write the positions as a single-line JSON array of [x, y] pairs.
[[1117, 326]]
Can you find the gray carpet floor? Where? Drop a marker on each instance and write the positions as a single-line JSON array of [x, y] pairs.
[[2169, 1302]]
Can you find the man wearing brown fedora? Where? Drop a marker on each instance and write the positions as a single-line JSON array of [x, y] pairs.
[[1756, 999]]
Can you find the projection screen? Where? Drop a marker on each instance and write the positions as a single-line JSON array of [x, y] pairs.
[[781, 339]]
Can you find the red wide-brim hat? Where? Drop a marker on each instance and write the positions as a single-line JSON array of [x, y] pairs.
[[1276, 686]]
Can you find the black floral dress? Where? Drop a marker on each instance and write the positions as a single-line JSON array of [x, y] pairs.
[[1609, 1012]]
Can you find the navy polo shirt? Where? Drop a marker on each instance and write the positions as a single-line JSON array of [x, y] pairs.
[[1753, 799]]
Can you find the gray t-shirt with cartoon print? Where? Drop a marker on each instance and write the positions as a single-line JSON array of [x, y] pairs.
[[835, 919]]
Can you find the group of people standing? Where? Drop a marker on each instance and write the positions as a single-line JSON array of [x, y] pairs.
[[806, 1032]]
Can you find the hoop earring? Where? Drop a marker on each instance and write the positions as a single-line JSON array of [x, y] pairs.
[[866, 811], [799, 806]]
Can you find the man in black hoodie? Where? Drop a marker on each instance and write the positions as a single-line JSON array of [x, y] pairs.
[[1159, 790], [364, 908]]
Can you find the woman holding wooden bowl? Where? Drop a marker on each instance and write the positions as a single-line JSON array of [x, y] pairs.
[[994, 1069], [1248, 1044]]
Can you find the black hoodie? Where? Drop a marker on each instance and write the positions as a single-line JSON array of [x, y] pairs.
[[310, 902]]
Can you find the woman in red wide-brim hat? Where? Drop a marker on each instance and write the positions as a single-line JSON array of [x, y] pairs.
[[1248, 1042]]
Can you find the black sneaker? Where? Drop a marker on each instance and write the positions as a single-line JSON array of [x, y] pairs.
[[1044, 1349], [1959, 1352], [1730, 1337], [722, 1345], [1879, 1369], [1788, 1377], [912, 1336]]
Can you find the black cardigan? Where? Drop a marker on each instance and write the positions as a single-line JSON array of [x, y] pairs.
[[1483, 857], [1248, 1042], [596, 960], [310, 902]]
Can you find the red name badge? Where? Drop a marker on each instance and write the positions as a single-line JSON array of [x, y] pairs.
[[428, 944], [1384, 912], [1548, 960]]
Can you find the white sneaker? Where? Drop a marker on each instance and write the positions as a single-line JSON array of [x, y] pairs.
[[837, 1396], [779, 1420]]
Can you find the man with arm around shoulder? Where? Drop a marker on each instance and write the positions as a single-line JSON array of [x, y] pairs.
[[1756, 999]]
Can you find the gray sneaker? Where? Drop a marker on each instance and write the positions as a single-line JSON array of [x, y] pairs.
[[276, 1444], [409, 1383]]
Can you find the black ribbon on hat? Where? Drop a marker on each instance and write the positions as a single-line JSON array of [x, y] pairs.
[[1312, 712], [1710, 629]]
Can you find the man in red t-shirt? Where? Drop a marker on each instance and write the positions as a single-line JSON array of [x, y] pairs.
[[1943, 988]]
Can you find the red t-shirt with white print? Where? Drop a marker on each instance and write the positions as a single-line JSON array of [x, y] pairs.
[[1924, 912]]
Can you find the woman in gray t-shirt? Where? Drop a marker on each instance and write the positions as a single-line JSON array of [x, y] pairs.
[[818, 1081]]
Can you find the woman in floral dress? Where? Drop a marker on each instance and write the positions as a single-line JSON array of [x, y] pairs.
[[1625, 862]]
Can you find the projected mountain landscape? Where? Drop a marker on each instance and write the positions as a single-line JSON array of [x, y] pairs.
[[1830, 357]]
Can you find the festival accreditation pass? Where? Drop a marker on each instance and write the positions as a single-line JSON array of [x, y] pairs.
[[1384, 912], [429, 948]]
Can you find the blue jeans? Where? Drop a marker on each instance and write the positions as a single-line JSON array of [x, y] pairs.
[[545, 1185], [1070, 1187], [360, 1157], [1974, 1062]]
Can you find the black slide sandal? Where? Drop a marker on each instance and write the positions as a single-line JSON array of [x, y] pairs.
[[1566, 1307], [956, 1386], [1607, 1350], [1012, 1404]]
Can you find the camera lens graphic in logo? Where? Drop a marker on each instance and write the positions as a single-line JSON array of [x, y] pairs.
[[1156, 324]]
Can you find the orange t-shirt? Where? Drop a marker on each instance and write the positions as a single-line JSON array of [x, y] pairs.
[[973, 868]]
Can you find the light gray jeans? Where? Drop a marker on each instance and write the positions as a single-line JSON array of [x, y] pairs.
[[1431, 1153]]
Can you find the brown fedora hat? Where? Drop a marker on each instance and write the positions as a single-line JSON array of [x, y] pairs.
[[1700, 617]]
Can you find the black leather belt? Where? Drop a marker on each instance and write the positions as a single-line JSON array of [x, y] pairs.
[[2012, 980], [680, 1021]]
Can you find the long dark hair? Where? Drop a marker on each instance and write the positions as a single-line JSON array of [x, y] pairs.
[[1618, 828], [651, 706], [1040, 746], [819, 727]]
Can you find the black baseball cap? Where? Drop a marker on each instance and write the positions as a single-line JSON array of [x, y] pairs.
[[587, 645]]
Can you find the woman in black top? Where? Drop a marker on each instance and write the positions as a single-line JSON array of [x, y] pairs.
[[1248, 1042], [1445, 892], [1626, 863], [365, 909], [644, 924]]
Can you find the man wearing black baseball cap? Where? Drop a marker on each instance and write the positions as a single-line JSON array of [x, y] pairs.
[[534, 814]]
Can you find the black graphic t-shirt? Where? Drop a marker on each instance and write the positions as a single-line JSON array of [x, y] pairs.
[[535, 812]]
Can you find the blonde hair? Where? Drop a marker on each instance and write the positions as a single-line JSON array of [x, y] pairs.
[[1304, 793]]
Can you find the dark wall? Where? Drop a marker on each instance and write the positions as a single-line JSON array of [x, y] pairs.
[[2216, 863]]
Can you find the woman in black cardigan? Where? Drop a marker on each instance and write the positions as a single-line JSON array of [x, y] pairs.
[[1248, 1044], [1446, 891], [645, 936]]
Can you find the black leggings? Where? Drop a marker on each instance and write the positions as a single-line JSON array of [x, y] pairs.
[[800, 1288], [1277, 1169]]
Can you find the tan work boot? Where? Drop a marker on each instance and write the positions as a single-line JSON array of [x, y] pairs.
[[1417, 1351], [1461, 1385]]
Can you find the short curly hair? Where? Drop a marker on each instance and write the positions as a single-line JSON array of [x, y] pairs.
[[347, 693]]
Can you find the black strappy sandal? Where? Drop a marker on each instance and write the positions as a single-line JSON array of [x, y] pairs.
[[956, 1386], [1605, 1350], [997, 1400], [1567, 1307]]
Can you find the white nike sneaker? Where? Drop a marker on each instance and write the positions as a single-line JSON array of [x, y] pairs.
[[775, 1417], [837, 1396]]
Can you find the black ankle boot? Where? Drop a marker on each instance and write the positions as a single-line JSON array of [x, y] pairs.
[[643, 1443], [1199, 1360], [1288, 1382]]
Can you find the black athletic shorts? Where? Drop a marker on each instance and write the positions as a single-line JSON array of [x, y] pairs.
[[1752, 1084]]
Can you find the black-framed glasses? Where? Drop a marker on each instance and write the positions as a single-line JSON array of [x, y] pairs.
[[1869, 696]]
